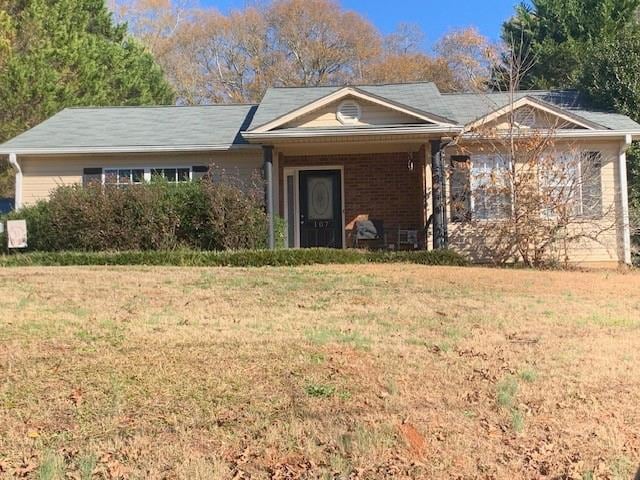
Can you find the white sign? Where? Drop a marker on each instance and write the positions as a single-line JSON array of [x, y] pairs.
[[17, 233]]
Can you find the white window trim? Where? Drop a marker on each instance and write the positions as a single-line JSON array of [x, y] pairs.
[[581, 155], [472, 202], [147, 172]]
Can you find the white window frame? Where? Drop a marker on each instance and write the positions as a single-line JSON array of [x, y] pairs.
[[118, 170], [147, 173], [579, 201], [173, 168], [474, 181]]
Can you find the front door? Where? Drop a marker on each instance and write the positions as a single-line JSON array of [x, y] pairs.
[[321, 208]]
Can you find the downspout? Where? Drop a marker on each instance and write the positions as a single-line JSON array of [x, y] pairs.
[[267, 151], [13, 161], [624, 199]]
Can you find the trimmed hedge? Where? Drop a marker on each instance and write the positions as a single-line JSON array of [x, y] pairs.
[[238, 258]]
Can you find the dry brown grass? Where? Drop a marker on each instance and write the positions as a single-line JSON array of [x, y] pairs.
[[319, 372]]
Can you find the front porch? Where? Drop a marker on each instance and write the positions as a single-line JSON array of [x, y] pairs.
[[322, 195]]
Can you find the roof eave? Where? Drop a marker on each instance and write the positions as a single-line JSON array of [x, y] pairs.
[[566, 134], [261, 137]]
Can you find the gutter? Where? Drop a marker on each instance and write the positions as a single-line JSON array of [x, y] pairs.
[[624, 198], [13, 161], [605, 134], [325, 133], [124, 149]]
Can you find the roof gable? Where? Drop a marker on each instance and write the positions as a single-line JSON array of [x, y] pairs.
[[369, 114], [352, 93], [546, 115]]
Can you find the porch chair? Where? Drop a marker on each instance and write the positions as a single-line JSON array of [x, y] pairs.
[[407, 239], [369, 234]]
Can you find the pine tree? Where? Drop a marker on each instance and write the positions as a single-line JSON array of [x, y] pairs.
[[60, 53]]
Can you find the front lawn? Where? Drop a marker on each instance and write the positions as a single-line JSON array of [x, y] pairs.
[[349, 371]]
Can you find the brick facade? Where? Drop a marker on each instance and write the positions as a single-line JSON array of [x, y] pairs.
[[379, 186]]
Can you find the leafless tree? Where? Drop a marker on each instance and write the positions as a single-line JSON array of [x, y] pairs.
[[520, 189]]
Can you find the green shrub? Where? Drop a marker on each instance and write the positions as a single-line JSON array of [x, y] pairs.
[[207, 214], [241, 258]]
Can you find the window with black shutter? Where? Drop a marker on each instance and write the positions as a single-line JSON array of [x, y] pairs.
[[460, 188], [91, 176]]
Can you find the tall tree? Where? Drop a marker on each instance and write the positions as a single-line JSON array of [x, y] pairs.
[[69, 52], [211, 57], [470, 58], [559, 33]]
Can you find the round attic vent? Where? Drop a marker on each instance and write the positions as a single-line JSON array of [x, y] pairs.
[[349, 112]]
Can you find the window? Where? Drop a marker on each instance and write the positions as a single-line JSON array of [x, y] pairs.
[[172, 175], [490, 187], [122, 177], [572, 181]]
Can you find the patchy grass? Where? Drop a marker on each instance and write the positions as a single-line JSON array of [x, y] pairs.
[[366, 371]]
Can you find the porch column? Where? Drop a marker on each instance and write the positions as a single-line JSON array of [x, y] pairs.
[[624, 200], [439, 220], [267, 153], [13, 161]]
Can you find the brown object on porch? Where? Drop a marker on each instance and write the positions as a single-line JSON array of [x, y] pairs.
[[369, 234]]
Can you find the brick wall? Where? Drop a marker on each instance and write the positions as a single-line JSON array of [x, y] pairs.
[[376, 186]]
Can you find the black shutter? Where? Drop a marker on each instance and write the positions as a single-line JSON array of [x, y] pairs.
[[91, 176], [199, 171], [591, 171], [460, 188]]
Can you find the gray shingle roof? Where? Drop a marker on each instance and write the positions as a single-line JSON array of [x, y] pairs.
[[460, 107], [467, 107], [221, 125], [280, 101], [215, 125]]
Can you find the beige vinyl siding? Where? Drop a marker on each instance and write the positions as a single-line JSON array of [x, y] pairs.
[[371, 114], [41, 175], [608, 248], [543, 120]]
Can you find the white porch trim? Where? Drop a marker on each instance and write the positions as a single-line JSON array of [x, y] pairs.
[[624, 199], [13, 161]]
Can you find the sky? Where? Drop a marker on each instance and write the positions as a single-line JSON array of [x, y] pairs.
[[436, 17]]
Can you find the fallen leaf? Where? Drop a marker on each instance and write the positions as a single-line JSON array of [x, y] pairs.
[[76, 396]]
